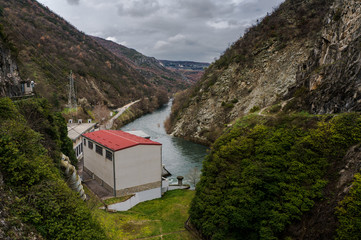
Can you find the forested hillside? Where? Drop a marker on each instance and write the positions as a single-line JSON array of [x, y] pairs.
[[46, 48], [36, 202], [282, 177]]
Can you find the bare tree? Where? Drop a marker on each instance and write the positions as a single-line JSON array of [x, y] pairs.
[[194, 176]]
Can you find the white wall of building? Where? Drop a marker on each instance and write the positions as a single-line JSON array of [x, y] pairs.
[[99, 165], [138, 165]]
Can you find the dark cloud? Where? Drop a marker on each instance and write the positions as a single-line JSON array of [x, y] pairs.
[[138, 8], [73, 2]]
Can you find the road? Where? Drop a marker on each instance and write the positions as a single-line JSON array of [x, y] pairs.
[[121, 110]]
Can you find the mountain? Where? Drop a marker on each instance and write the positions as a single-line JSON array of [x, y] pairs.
[[281, 111], [193, 71], [149, 67], [46, 48], [307, 51]]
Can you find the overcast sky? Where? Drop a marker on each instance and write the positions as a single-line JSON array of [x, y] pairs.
[[197, 30]]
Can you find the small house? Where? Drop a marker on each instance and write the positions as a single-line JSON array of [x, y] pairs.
[[75, 130], [124, 163]]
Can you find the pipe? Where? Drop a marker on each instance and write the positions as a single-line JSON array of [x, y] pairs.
[[72, 176]]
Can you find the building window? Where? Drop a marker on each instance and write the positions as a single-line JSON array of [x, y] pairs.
[[90, 145], [84, 142], [99, 149], [109, 155]]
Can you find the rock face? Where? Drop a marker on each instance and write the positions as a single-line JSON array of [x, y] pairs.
[[331, 76], [9, 75], [320, 68]]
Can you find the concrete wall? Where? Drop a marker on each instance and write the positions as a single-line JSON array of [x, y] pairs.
[[97, 164], [138, 166], [137, 198]]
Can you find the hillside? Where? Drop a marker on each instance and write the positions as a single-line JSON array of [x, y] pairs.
[[306, 49], [282, 177], [36, 202], [280, 110], [46, 48], [193, 71], [149, 67]]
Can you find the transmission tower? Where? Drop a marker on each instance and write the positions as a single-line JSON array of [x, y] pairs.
[[72, 98]]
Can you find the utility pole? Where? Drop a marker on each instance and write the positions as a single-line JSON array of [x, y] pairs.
[[72, 103]]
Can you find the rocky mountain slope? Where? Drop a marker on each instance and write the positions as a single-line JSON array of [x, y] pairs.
[[46, 48], [307, 51], [149, 67], [330, 79]]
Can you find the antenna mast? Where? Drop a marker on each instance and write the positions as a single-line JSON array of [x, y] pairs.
[[72, 103]]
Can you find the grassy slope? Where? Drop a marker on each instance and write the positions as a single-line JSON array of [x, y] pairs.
[[165, 216]]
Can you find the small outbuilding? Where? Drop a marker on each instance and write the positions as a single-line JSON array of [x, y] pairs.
[[75, 130], [124, 163]]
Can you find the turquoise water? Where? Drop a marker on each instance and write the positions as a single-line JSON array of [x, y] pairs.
[[180, 157]]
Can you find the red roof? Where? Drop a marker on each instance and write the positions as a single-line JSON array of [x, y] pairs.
[[117, 140]]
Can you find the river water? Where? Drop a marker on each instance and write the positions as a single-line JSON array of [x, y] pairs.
[[180, 157]]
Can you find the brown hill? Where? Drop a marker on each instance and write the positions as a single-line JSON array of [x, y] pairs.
[[149, 67], [46, 48]]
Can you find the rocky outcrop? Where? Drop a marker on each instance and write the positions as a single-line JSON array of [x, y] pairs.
[[274, 51], [9, 75], [331, 77]]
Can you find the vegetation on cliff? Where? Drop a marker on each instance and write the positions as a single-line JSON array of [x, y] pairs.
[[265, 172], [29, 163]]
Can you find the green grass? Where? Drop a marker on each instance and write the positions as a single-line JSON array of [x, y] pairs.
[[165, 216]]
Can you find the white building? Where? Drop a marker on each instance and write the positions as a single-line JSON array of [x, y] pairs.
[[75, 130], [124, 163]]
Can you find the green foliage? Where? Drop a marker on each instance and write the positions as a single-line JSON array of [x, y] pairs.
[[254, 109], [259, 177], [43, 198], [52, 126], [349, 213]]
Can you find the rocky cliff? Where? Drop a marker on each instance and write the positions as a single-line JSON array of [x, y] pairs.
[[9, 74], [330, 79], [306, 53]]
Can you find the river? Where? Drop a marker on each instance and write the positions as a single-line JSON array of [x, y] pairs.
[[180, 157]]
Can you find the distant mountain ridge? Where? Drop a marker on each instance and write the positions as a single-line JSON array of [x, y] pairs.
[[187, 65], [149, 67]]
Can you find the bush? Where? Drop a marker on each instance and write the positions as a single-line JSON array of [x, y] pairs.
[[43, 198]]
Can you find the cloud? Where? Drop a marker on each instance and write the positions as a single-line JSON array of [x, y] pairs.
[[138, 8], [198, 30], [113, 39], [73, 2]]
